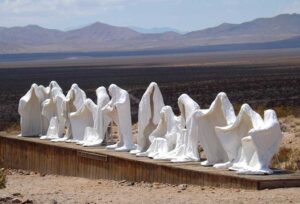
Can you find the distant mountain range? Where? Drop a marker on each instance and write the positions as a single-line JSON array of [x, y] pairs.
[[280, 31]]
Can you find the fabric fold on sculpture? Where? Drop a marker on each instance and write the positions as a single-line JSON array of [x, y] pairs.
[[203, 122], [231, 135], [30, 111], [163, 138], [118, 109], [187, 107], [95, 135], [148, 116], [258, 148]]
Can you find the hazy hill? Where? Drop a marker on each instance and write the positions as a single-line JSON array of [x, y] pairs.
[[104, 37]]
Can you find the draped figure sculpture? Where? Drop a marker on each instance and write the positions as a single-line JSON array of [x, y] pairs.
[[71, 103], [118, 109], [94, 134], [187, 107], [30, 111], [231, 136], [163, 138], [148, 116], [47, 95], [259, 146], [53, 110], [203, 122]]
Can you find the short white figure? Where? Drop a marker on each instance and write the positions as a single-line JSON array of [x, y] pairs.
[[118, 109], [187, 107], [231, 136], [82, 119], [148, 116], [53, 111], [259, 147], [30, 112], [95, 135], [163, 138], [220, 113]]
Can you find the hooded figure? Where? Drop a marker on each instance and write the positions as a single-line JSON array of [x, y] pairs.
[[258, 148], [203, 122], [231, 136], [30, 111], [187, 107], [148, 116], [47, 92], [94, 135], [72, 103], [52, 111], [118, 109], [82, 119], [163, 138]]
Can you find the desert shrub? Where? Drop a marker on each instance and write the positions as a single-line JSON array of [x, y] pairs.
[[2, 178], [287, 158]]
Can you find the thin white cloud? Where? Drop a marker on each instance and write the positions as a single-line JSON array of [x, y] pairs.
[[294, 7]]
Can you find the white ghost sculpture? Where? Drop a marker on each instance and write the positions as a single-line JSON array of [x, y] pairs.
[[30, 111], [72, 103], [203, 122], [259, 147], [47, 95], [187, 107], [163, 138], [231, 136], [53, 111], [82, 119], [95, 135], [118, 109], [148, 116]]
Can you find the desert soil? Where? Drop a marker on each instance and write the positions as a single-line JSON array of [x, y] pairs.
[[32, 187]]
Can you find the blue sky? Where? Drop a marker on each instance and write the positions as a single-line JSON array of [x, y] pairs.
[[185, 15]]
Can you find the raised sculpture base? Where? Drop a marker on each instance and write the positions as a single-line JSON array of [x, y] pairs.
[[69, 159]]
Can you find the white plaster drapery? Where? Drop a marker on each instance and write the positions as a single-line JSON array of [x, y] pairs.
[[118, 109], [148, 116]]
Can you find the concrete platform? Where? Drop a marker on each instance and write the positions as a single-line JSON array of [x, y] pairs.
[[96, 162]]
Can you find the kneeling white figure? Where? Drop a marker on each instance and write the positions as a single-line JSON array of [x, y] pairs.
[[118, 109], [148, 116], [163, 138], [187, 107], [259, 146], [231, 136]]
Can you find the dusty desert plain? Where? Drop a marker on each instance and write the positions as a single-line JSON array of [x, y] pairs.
[[263, 79]]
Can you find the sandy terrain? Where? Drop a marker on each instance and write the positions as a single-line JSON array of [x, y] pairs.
[[58, 189]]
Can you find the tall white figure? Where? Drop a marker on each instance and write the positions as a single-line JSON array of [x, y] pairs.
[[220, 113], [30, 111], [187, 107], [163, 138], [53, 111], [231, 136], [259, 147], [47, 92], [148, 116], [74, 101], [118, 109], [95, 134]]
